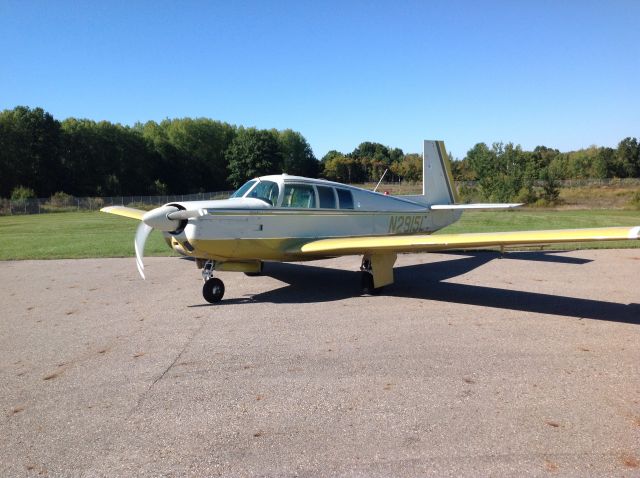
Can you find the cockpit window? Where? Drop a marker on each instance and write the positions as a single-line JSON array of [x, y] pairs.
[[243, 189], [299, 195], [267, 191]]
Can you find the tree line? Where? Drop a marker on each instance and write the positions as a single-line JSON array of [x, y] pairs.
[[506, 172], [501, 172], [40, 156]]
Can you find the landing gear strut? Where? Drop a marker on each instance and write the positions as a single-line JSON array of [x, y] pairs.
[[377, 272], [213, 288], [367, 278]]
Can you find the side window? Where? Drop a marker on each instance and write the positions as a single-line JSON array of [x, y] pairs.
[[267, 191], [326, 196], [299, 195], [346, 199]]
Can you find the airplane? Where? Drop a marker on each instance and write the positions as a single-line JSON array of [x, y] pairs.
[[290, 218]]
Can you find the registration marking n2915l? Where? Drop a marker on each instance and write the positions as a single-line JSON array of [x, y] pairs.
[[407, 224]]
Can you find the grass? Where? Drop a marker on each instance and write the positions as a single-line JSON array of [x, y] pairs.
[[72, 235], [92, 234], [611, 196], [598, 197]]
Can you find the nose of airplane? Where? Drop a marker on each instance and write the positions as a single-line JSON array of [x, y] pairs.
[[158, 218]]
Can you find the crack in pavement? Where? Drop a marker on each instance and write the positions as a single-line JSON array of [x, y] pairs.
[[144, 394], [90, 471]]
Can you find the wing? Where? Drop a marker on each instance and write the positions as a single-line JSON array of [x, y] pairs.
[[124, 211], [440, 242]]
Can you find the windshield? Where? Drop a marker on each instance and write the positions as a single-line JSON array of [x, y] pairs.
[[267, 191], [243, 189]]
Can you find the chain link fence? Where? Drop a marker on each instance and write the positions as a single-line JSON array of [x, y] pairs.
[[416, 188], [67, 203]]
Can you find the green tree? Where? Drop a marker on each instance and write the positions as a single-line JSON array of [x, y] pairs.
[[297, 156], [200, 144], [29, 150], [20, 193], [607, 157], [484, 163], [335, 167], [168, 165], [462, 170], [504, 172], [371, 159], [628, 158], [344, 169], [124, 155], [541, 157], [330, 155], [79, 153], [550, 186], [409, 168], [252, 153]]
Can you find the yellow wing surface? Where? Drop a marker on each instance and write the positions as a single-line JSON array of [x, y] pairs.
[[124, 211], [440, 242]]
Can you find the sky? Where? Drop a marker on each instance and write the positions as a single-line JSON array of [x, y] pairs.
[[564, 74]]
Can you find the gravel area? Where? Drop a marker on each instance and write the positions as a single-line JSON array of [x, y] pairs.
[[469, 365]]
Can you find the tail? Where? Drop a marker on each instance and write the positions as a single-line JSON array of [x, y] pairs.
[[438, 189], [437, 180]]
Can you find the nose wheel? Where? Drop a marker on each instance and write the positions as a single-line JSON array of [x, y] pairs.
[[213, 290]]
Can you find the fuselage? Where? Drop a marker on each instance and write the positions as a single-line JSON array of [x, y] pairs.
[[269, 217]]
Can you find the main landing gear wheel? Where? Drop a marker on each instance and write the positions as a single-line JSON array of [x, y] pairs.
[[367, 284], [213, 290]]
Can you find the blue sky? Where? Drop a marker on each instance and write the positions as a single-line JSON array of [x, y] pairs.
[[563, 74]]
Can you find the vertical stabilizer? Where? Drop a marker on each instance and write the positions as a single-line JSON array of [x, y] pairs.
[[437, 181]]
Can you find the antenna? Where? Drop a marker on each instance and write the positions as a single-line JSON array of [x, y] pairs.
[[385, 172]]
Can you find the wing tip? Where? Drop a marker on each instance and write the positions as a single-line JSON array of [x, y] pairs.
[[124, 211]]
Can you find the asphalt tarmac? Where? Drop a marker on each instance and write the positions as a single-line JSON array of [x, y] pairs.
[[469, 365]]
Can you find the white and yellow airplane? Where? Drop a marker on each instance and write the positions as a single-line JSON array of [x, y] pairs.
[[289, 218]]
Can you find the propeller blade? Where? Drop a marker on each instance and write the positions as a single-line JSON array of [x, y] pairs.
[[142, 233]]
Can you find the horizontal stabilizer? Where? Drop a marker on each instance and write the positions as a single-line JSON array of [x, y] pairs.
[[125, 211], [450, 207]]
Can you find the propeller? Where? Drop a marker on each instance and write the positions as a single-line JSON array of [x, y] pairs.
[[165, 218], [142, 233]]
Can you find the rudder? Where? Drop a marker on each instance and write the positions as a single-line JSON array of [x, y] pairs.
[[437, 180]]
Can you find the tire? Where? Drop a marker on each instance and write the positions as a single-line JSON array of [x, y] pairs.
[[213, 290]]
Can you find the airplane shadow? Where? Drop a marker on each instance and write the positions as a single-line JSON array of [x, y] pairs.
[[312, 284]]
